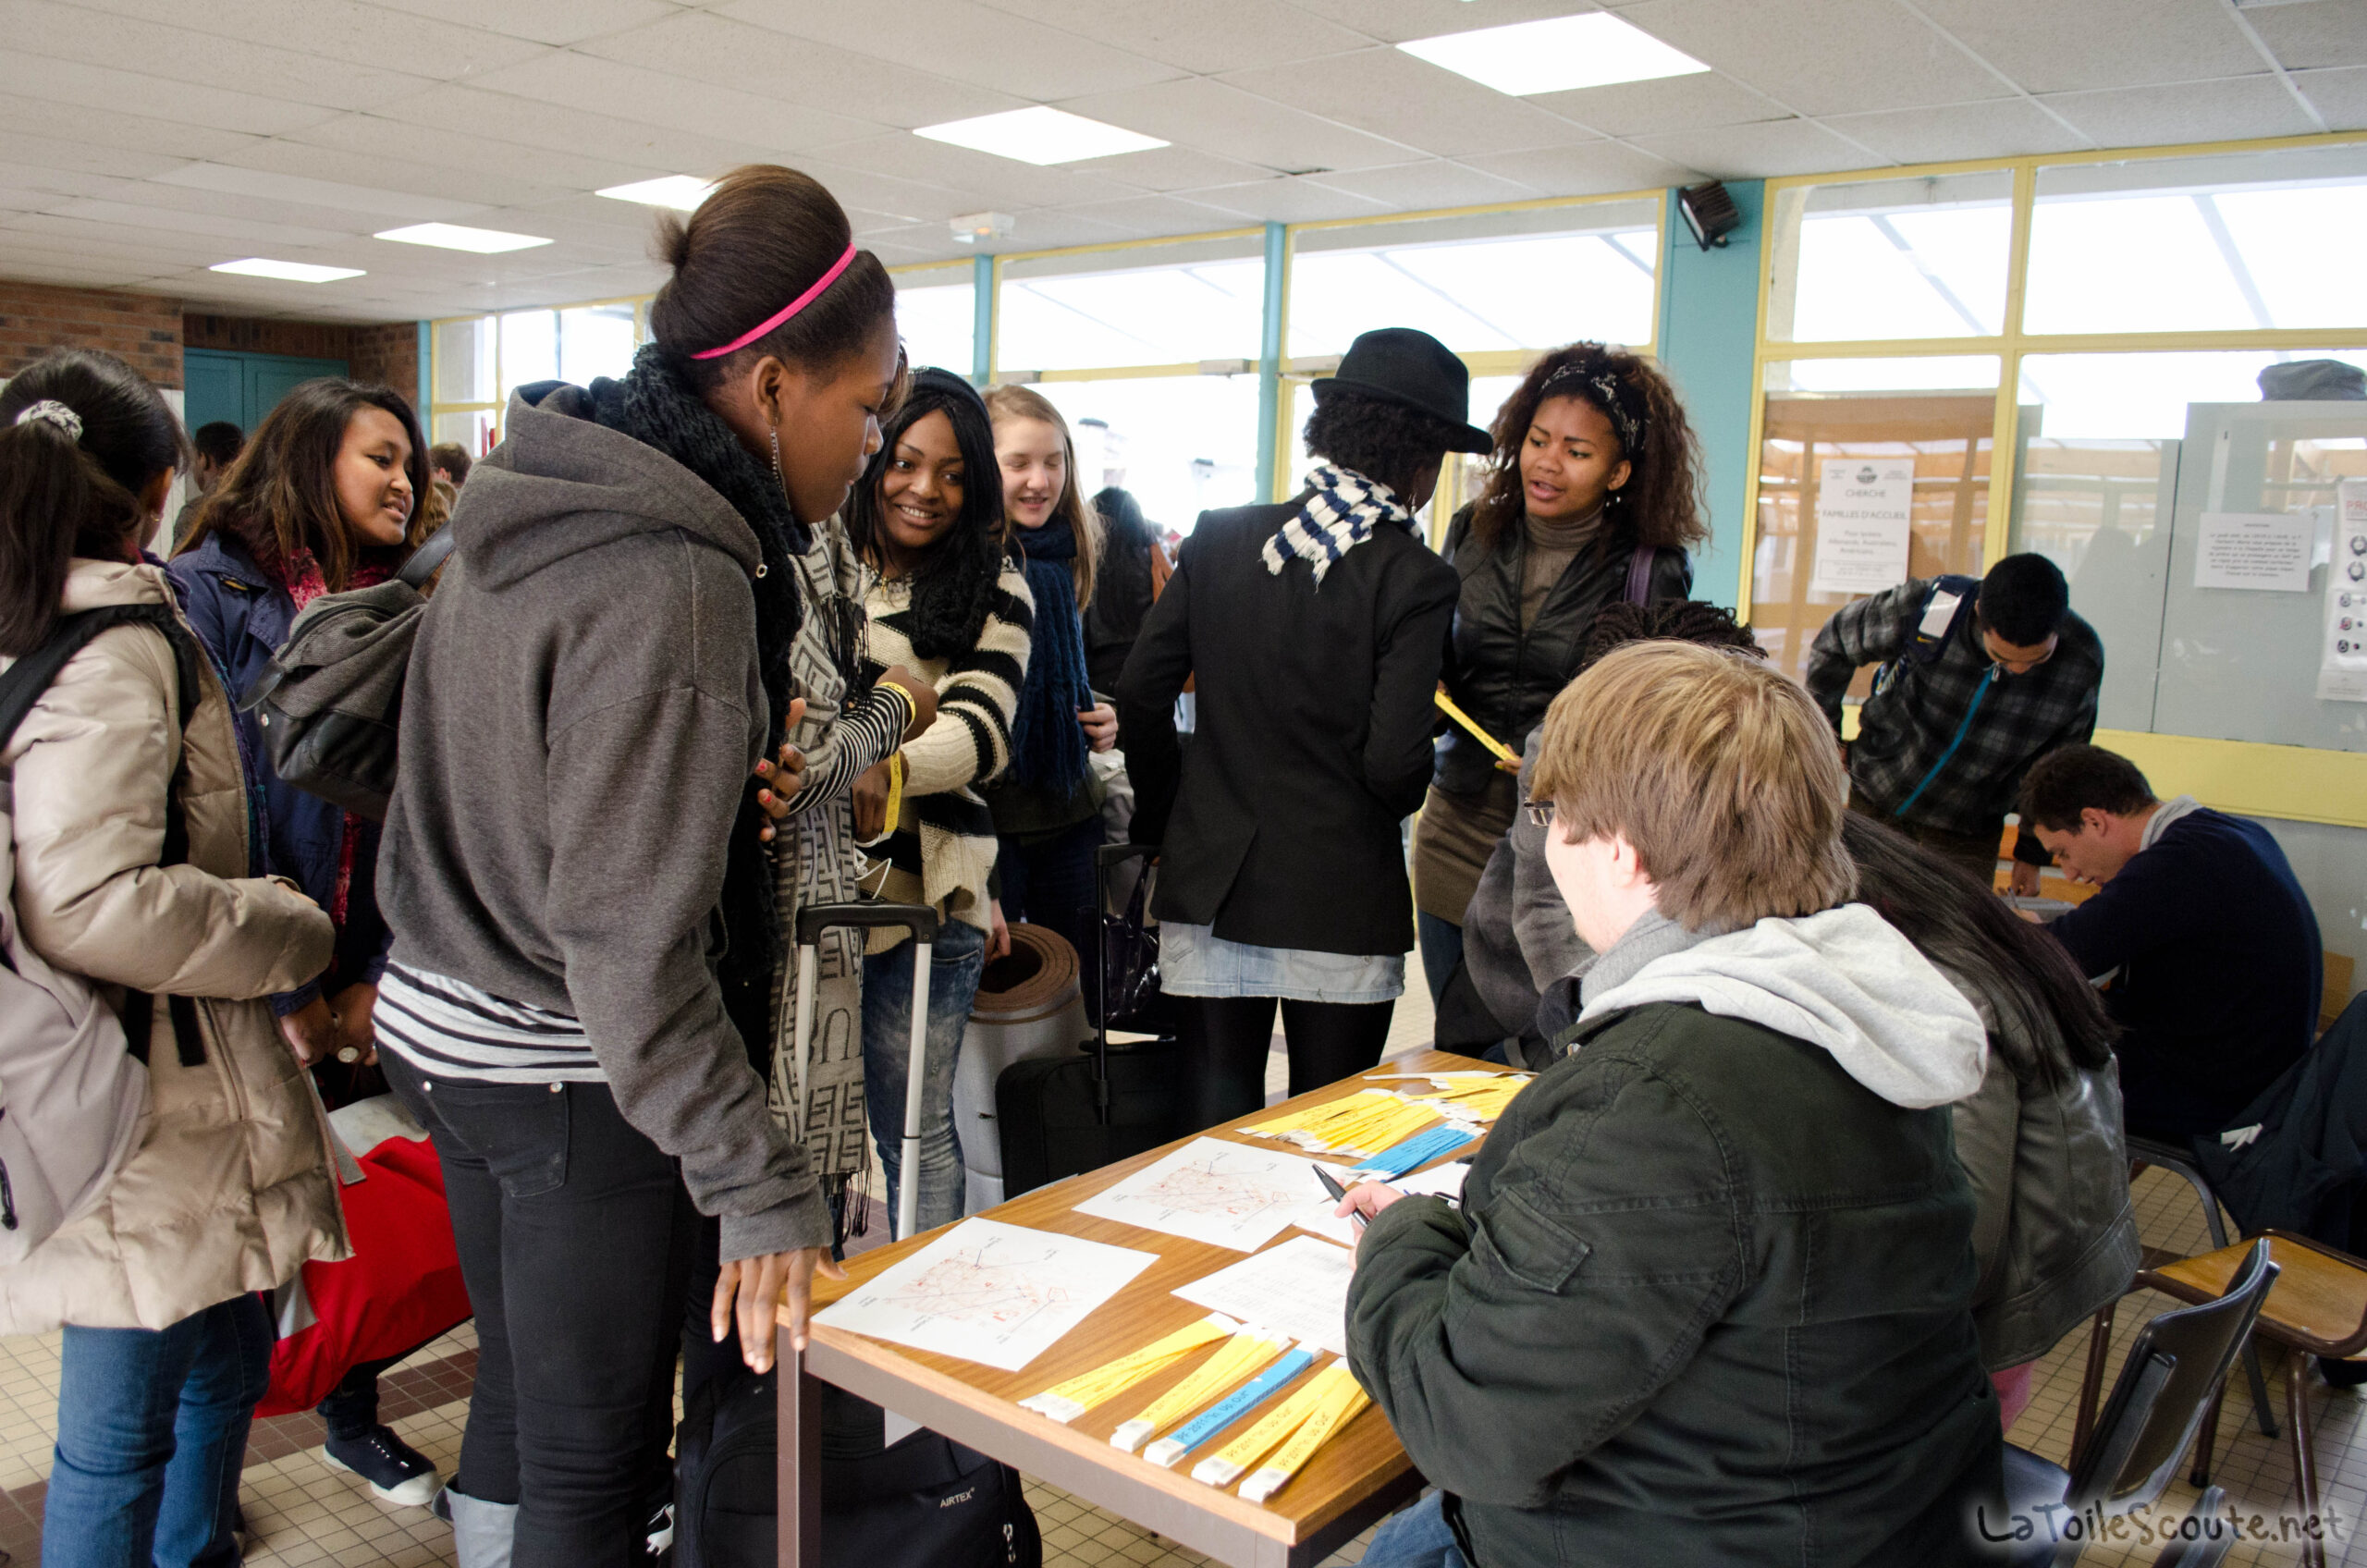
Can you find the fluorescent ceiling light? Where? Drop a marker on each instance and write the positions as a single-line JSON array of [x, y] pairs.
[[683, 192], [1595, 49], [459, 237], [1039, 135], [290, 272]]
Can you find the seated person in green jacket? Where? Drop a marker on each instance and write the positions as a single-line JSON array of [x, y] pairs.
[[1707, 1298]]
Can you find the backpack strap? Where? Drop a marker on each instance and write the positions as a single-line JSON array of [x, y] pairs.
[[21, 686], [1931, 640], [1640, 561], [426, 560]]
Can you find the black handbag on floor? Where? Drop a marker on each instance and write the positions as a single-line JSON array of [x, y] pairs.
[[924, 1503], [1061, 1115]]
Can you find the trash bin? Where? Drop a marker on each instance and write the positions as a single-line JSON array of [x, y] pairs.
[[1028, 1005]]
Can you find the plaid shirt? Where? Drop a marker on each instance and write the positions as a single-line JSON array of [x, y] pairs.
[[1917, 710]]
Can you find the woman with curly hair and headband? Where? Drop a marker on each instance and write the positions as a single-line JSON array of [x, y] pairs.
[[1593, 498]]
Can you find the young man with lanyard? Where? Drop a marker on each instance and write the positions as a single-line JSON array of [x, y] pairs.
[[1978, 681]]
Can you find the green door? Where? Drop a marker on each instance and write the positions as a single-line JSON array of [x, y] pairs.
[[243, 387]]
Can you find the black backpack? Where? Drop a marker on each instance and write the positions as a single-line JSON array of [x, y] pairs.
[[331, 702], [924, 1502]]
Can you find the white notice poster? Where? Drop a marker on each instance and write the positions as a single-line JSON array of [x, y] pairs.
[[2342, 646], [1862, 511], [2259, 550]]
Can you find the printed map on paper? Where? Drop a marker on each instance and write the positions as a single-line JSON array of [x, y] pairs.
[[988, 1293], [1227, 1195]]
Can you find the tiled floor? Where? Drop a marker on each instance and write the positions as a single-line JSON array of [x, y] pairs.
[[304, 1514]]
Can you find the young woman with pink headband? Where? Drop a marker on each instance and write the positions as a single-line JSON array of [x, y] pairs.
[[633, 625]]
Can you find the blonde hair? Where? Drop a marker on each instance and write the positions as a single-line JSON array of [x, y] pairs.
[[1007, 403], [1720, 772]]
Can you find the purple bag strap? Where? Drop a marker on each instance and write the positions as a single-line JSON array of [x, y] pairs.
[[1640, 573]]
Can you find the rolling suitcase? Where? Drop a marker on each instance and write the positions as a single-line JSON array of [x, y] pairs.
[[921, 921], [1066, 1114]]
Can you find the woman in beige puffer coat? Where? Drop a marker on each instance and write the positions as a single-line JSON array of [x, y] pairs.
[[231, 1188]]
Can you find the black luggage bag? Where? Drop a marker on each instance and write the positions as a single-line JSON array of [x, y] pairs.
[[1063, 1115]]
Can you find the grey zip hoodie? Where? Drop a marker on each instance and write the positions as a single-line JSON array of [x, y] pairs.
[[581, 711], [1844, 979]]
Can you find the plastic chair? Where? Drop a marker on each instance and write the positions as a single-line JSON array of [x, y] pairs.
[[2209, 1545], [2179, 1162], [2176, 1369], [2320, 1308]]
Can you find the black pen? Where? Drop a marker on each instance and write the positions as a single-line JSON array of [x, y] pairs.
[[1339, 1194]]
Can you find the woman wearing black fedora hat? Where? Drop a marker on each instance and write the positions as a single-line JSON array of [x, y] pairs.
[[1315, 628], [1592, 498]]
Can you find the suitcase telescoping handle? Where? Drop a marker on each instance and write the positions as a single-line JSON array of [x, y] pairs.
[[1104, 859], [921, 921]]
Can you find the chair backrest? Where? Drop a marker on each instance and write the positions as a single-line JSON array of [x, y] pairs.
[[2178, 1361]]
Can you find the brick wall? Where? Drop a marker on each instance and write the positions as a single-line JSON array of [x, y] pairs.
[[388, 353], [140, 328]]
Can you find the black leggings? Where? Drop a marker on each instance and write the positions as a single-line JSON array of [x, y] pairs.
[[1225, 1041]]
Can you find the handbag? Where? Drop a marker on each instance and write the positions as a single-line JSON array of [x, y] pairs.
[[1129, 996]]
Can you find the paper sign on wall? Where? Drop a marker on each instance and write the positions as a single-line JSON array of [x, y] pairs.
[[2259, 550], [1862, 511], [2342, 643]]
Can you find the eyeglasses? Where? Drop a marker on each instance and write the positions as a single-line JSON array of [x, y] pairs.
[[1539, 812]]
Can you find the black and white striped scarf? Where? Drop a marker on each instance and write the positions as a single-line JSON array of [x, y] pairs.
[[1342, 514]]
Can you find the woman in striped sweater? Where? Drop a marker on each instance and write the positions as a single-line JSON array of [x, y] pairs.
[[927, 522]]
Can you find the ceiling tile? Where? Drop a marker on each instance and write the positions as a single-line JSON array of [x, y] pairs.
[[962, 40], [72, 275], [2190, 110], [2049, 46], [1394, 22], [2002, 127], [355, 31], [237, 230], [703, 47], [980, 178], [914, 201], [103, 87], [2340, 95], [109, 127], [1170, 168], [1828, 57], [2321, 32], [1756, 152], [109, 239], [496, 186], [1390, 94], [1217, 118], [1437, 183], [540, 20], [1282, 201], [1048, 228], [1200, 36], [232, 179], [435, 150], [583, 132], [63, 183], [1593, 169], [678, 102], [1153, 215], [176, 54], [1700, 102], [79, 157]]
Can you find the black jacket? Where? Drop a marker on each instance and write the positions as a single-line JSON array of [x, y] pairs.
[[1281, 825], [2307, 1172], [1506, 678], [1707, 1300], [1121, 596]]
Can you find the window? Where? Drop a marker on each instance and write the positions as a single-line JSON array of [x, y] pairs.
[[1890, 259], [1482, 283], [936, 315], [1182, 445], [1159, 305]]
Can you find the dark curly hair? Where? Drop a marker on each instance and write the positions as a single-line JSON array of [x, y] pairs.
[[1386, 442], [954, 585], [1661, 504], [1671, 620]]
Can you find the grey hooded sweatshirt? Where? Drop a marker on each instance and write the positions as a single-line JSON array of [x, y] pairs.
[[581, 711]]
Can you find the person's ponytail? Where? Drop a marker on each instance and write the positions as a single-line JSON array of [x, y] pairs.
[[82, 433]]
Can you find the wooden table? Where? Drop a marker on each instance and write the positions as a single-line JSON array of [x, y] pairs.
[[1358, 1477]]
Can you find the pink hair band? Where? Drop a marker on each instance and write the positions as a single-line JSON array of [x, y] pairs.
[[786, 312]]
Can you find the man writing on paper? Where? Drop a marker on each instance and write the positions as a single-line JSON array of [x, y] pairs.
[[2211, 943], [1707, 1299], [1977, 682]]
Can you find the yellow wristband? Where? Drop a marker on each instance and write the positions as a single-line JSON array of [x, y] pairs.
[[912, 703]]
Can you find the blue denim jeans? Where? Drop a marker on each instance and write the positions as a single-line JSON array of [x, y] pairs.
[[1414, 1537], [954, 965], [152, 1431]]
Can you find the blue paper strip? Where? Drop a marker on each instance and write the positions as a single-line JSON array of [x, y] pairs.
[[1247, 1397], [1420, 1149]]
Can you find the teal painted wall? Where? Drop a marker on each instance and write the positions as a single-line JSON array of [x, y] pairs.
[[1709, 328]]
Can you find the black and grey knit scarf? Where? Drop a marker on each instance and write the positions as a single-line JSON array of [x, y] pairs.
[[656, 407]]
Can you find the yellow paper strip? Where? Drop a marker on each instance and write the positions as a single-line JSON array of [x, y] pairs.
[[1241, 1354], [1446, 705], [1065, 1402], [1224, 1468], [1329, 1418]]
